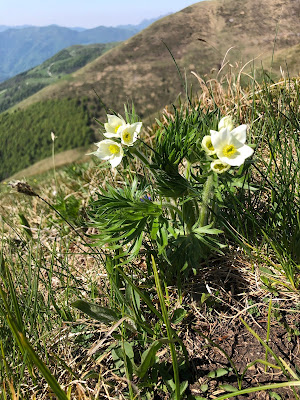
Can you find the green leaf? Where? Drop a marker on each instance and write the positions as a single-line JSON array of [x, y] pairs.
[[102, 314], [137, 245], [155, 227], [143, 295], [128, 349], [204, 297], [178, 315], [183, 387], [148, 358], [265, 280], [258, 389], [204, 387], [229, 388], [13, 295], [275, 396], [266, 270], [207, 229], [52, 382], [219, 372], [170, 332], [25, 225]]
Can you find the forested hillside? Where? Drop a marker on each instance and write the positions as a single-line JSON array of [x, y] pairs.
[[26, 134]]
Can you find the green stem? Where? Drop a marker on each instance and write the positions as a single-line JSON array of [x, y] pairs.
[[53, 161], [207, 195], [188, 170], [259, 388], [169, 330], [268, 331], [141, 156]]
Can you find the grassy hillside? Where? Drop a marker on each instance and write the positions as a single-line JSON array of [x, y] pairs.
[[65, 62], [142, 70], [199, 36]]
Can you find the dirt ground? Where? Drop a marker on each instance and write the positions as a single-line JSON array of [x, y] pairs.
[[242, 348], [218, 318]]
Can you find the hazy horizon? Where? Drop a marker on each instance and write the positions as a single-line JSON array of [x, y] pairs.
[[77, 26], [88, 14]]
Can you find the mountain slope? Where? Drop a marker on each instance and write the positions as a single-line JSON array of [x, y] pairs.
[[23, 85], [142, 70]]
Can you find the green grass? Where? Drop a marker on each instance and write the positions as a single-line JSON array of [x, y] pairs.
[[106, 293]]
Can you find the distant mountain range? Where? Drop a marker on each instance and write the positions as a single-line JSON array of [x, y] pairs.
[[24, 47], [138, 27], [5, 27]]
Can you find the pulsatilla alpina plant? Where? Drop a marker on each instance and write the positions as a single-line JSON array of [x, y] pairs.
[[167, 204], [163, 210]]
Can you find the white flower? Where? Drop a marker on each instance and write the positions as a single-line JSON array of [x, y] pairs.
[[112, 127], [219, 167], [230, 146], [109, 150], [129, 133], [226, 122], [207, 145]]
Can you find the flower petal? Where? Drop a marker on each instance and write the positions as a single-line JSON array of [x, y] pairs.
[[240, 133], [220, 138], [110, 134], [137, 126], [114, 120], [226, 122], [115, 161], [207, 145], [113, 125], [129, 133], [104, 153]]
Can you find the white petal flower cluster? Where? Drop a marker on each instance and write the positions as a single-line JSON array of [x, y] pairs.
[[228, 145], [116, 128]]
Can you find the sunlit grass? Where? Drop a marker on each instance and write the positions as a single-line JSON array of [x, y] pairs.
[[150, 315]]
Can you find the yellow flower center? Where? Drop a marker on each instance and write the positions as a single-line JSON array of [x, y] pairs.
[[220, 167], [229, 150], [117, 127], [114, 149], [126, 137], [209, 145]]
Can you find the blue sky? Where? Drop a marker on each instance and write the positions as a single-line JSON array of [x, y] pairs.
[[85, 13]]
